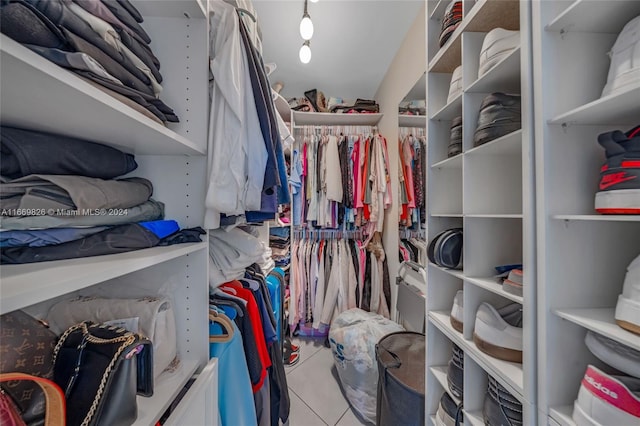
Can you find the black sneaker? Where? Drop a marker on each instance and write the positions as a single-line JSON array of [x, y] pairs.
[[455, 372], [455, 140], [620, 175], [500, 407], [499, 116], [448, 414], [450, 21]]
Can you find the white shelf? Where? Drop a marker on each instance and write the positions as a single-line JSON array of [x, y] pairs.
[[438, 11], [495, 216], [331, 119], [283, 108], [433, 420], [25, 103], [412, 120], [491, 285], [504, 76], [164, 392], [449, 111], [602, 321], [453, 272], [27, 284], [622, 108], [440, 373], [473, 418], [460, 215], [449, 163], [188, 9], [599, 217], [595, 16], [508, 374], [563, 415], [510, 144], [449, 55]]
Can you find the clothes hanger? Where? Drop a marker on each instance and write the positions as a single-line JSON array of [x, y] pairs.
[[226, 325]]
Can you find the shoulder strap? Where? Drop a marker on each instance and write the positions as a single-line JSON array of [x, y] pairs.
[[54, 398]]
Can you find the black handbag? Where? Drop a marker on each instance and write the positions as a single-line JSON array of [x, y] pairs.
[[101, 369]]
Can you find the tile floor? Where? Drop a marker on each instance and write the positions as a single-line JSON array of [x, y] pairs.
[[314, 389]]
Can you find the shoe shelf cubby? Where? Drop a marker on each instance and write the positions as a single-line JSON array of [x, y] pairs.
[[488, 191], [582, 256]]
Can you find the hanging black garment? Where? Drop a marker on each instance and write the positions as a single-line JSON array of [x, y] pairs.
[[280, 402], [366, 292]]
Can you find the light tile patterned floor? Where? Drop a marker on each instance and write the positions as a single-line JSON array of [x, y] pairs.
[[316, 396]]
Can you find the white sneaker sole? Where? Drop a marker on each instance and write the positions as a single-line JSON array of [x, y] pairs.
[[622, 201], [581, 417], [628, 314]]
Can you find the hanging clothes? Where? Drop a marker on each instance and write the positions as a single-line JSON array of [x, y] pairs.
[[412, 162]]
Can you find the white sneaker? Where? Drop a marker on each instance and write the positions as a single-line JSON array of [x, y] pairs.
[[455, 87], [457, 310], [614, 353], [628, 308], [497, 45], [607, 400], [624, 72], [499, 332]]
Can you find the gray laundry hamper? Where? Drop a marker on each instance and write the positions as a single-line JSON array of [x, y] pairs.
[[401, 377]]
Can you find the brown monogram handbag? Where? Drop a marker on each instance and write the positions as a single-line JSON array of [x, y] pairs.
[[26, 346]]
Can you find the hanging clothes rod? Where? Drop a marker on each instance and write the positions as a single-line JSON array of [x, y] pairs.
[[328, 234]]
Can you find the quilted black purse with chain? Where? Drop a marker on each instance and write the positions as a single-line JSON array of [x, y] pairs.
[[101, 369]]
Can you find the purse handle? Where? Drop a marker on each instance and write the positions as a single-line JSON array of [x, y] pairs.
[[54, 398]]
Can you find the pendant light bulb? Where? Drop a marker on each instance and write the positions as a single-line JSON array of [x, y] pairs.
[[313, 1], [306, 27], [305, 53]]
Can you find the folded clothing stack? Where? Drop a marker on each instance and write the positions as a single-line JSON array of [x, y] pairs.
[[315, 101], [100, 40], [59, 200], [280, 244]]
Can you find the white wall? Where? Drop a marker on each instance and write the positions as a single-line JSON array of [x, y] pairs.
[[406, 68]]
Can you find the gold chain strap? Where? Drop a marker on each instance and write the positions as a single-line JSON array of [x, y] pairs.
[[126, 339]]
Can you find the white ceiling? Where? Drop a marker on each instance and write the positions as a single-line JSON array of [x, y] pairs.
[[354, 42]]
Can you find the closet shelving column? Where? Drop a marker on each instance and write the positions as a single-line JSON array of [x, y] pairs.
[[39, 95], [486, 190], [582, 256]]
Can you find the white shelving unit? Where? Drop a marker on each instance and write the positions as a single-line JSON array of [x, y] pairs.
[[486, 190], [39, 95], [412, 120], [582, 256]]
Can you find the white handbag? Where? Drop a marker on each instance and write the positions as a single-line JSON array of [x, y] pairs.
[[152, 316]]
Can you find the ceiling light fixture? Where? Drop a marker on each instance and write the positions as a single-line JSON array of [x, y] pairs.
[[306, 26], [314, 1], [305, 52]]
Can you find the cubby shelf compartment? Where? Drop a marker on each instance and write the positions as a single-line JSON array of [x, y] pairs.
[[453, 272], [595, 16], [27, 284], [510, 144], [457, 215], [412, 120], [449, 163], [438, 10], [598, 217], [331, 119], [508, 374], [622, 108], [165, 391], [504, 76], [483, 17], [25, 74], [491, 285], [440, 373], [473, 418], [602, 321], [562, 415], [449, 111]]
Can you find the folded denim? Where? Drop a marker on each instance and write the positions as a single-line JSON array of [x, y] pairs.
[[119, 239], [27, 152], [46, 237], [151, 210], [17, 15], [80, 194]]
